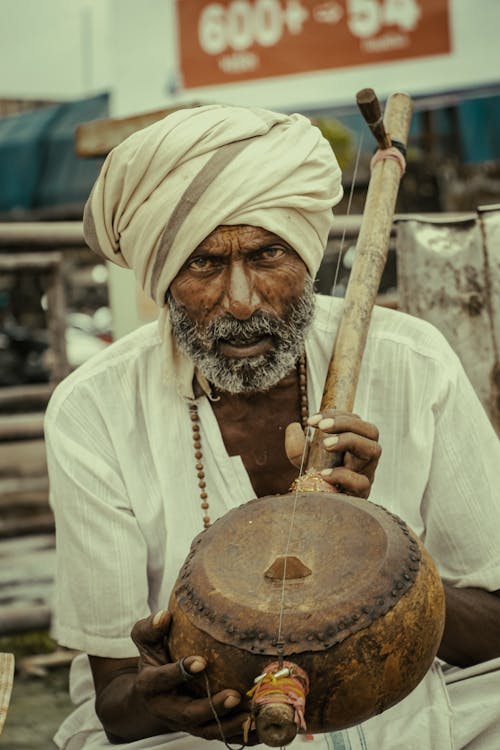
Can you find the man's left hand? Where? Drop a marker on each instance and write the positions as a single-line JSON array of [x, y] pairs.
[[345, 434]]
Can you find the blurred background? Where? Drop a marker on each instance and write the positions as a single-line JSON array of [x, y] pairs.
[[76, 77]]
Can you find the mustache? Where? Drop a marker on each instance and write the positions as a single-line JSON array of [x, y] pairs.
[[260, 324], [200, 342], [285, 329]]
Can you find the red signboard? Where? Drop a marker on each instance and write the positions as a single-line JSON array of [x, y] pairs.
[[241, 40]]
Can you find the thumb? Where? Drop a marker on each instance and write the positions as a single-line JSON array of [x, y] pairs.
[[149, 636], [294, 443]]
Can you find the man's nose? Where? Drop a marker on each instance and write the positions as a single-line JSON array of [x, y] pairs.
[[240, 297]]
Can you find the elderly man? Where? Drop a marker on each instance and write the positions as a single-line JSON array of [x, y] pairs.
[[223, 214]]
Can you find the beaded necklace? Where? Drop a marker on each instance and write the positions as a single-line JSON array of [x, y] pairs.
[[198, 453]]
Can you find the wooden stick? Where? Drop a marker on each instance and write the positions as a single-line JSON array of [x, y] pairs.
[[364, 280], [370, 109]]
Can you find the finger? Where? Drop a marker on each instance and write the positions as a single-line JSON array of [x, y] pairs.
[[360, 447], [151, 630], [149, 635], [232, 729], [201, 711], [294, 443], [159, 679], [194, 715], [338, 422], [350, 482]]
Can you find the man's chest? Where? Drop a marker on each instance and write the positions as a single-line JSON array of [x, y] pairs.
[[254, 428]]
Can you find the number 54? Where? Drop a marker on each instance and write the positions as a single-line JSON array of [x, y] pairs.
[[366, 17]]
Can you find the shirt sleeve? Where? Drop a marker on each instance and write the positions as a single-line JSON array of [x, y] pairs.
[[101, 556], [461, 503]]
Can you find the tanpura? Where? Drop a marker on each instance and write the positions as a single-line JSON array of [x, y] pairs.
[[324, 609]]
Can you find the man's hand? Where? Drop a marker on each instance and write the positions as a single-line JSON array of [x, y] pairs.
[[137, 698], [348, 435], [162, 686]]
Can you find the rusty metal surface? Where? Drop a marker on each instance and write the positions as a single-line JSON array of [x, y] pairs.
[[449, 275], [363, 560]]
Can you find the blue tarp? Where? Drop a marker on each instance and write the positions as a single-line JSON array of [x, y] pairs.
[[480, 134], [38, 164], [21, 155]]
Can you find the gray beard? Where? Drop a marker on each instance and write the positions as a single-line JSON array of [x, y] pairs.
[[247, 374]]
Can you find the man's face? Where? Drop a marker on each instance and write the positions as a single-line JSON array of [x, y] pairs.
[[240, 306]]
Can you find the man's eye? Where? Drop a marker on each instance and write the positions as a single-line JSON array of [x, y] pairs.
[[270, 253], [200, 264]]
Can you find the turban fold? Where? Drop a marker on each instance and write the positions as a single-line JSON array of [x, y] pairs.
[[164, 189]]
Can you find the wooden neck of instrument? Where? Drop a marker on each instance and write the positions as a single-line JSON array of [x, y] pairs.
[[364, 281]]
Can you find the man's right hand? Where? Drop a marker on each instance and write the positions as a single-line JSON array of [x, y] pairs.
[[162, 686], [137, 698]]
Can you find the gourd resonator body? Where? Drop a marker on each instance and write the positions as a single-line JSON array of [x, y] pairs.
[[361, 608]]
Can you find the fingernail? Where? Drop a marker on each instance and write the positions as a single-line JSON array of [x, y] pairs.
[[329, 441], [158, 617], [314, 420], [196, 666], [232, 701], [326, 424], [325, 472]]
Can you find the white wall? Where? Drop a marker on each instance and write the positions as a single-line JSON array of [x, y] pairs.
[[53, 49]]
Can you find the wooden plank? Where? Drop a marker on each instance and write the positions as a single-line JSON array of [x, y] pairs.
[[37, 590], [21, 426], [56, 324], [26, 396], [21, 492], [98, 137], [29, 261], [22, 593], [16, 548], [6, 684], [26, 582], [23, 485], [37, 666], [21, 619], [50, 235], [23, 458], [23, 500], [35, 524]]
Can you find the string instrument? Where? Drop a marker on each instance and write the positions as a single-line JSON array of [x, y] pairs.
[[325, 609]]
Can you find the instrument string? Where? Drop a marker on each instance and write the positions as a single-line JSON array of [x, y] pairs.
[[288, 542], [308, 435], [348, 213], [217, 720]]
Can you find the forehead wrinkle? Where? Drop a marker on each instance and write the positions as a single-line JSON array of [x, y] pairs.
[[247, 238]]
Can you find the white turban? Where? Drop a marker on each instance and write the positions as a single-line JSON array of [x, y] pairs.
[[166, 187]]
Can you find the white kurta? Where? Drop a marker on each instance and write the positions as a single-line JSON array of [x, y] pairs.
[[125, 496]]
